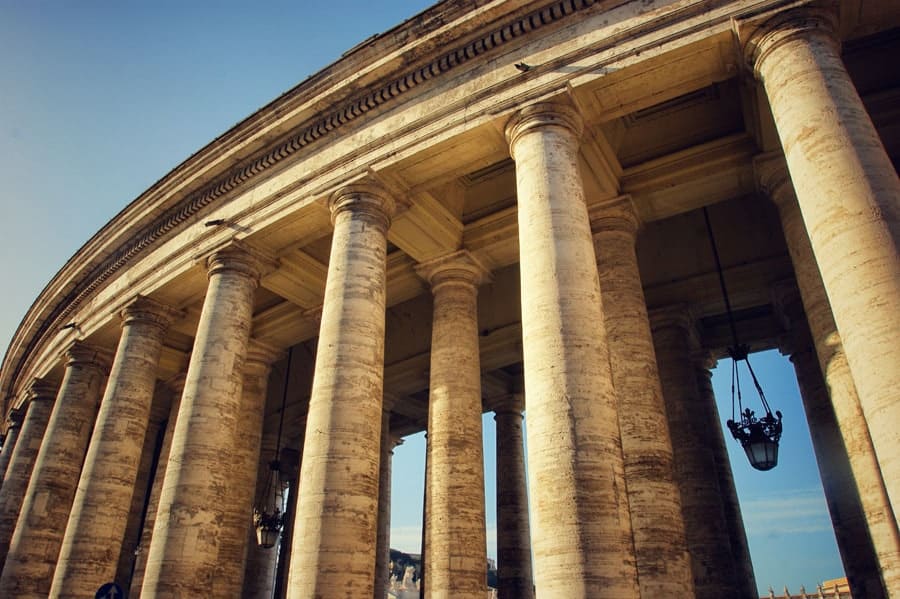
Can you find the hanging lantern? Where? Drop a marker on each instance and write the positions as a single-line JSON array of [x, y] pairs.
[[268, 513], [758, 436]]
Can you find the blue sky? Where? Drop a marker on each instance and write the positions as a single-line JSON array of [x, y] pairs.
[[98, 100]]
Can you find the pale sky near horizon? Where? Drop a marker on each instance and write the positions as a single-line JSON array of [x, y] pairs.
[[100, 99]]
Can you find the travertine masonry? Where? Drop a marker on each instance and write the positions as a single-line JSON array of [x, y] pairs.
[[514, 570], [41, 395], [849, 195], [247, 441], [36, 542], [96, 528], [187, 534], [333, 550], [844, 402], [581, 525], [455, 542], [702, 504], [663, 563], [9, 442], [383, 544]]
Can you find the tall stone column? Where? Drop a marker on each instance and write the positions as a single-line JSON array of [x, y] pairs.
[[176, 387], [383, 544], [581, 527], [335, 527], [849, 196], [193, 506], [247, 441], [847, 516], [9, 442], [455, 535], [663, 563], [40, 397], [844, 410], [515, 579], [706, 529], [36, 542], [745, 580], [96, 528]]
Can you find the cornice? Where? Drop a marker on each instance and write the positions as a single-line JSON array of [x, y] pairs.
[[310, 132]]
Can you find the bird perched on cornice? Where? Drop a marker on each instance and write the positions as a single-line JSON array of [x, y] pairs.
[[522, 66]]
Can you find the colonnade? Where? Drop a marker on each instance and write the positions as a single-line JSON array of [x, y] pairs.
[[631, 493]]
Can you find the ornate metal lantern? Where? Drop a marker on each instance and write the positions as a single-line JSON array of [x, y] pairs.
[[758, 436]]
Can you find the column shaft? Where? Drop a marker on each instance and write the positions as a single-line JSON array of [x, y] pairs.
[[188, 531], [143, 550], [36, 542], [745, 580], [581, 527], [706, 529], [515, 579], [259, 572], [663, 563], [333, 551], [15, 482], [96, 528], [383, 543], [9, 442], [843, 411], [849, 195], [455, 536]]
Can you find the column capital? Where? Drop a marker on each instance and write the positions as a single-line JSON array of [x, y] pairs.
[[41, 389], [262, 353], [238, 256], [15, 417], [802, 22], [176, 383], [368, 198], [459, 267], [514, 403], [615, 215], [677, 315], [540, 115], [772, 177], [85, 354], [142, 309]]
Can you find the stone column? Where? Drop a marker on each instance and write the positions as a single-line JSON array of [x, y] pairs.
[[247, 440], [581, 528], [844, 401], [259, 573], [663, 563], [745, 580], [336, 523], [706, 529], [9, 442], [455, 535], [176, 386], [90, 549], [193, 506], [383, 543], [849, 196], [515, 579], [847, 516], [40, 396], [36, 542]]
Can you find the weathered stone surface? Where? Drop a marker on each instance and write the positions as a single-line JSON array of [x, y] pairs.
[[96, 528], [581, 526], [514, 570], [455, 541], [333, 551], [41, 394], [188, 531], [850, 441], [663, 563], [706, 527], [36, 542], [848, 193], [13, 426]]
